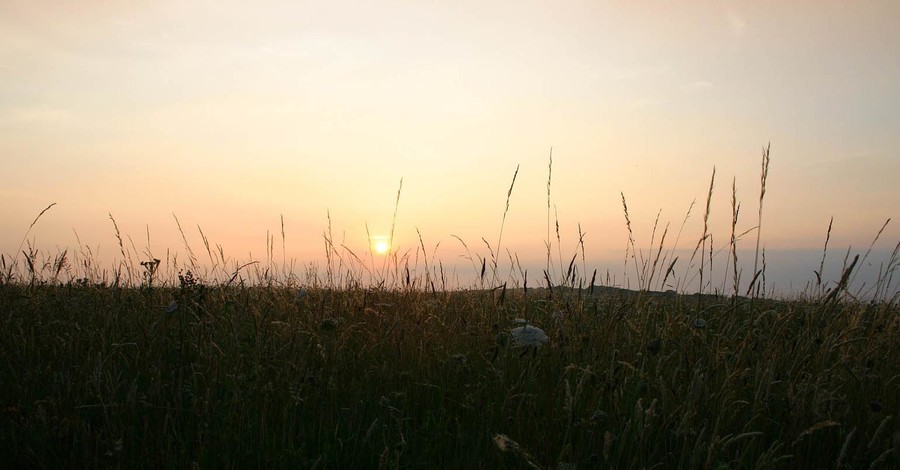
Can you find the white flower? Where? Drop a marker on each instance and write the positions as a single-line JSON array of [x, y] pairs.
[[529, 336]]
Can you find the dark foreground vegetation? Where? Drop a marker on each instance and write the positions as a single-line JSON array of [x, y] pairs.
[[275, 377], [129, 369]]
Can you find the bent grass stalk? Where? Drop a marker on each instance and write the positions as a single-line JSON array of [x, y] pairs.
[[494, 259]]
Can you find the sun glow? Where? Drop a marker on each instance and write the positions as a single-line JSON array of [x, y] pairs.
[[381, 246]]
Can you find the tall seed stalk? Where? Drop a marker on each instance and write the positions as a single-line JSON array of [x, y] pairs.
[[762, 194]]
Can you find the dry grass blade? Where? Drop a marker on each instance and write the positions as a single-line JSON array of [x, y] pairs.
[[25, 237], [662, 241], [814, 428], [764, 174], [706, 234], [844, 448], [670, 270], [505, 444], [502, 224], [630, 246], [882, 427], [393, 226], [283, 248], [671, 251], [558, 239], [842, 284], [124, 261], [821, 270], [549, 177], [886, 276], [187, 246], [238, 270], [872, 245], [735, 212]]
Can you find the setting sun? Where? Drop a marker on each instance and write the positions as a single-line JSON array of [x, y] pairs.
[[381, 246]]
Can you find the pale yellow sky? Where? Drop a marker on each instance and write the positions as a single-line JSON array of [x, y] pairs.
[[229, 114]]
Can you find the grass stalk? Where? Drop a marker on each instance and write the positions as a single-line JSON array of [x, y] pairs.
[[764, 174], [494, 257]]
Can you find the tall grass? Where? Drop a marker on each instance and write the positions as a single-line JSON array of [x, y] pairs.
[[241, 364], [764, 174]]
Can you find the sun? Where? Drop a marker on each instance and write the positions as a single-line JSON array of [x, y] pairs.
[[381, 246]]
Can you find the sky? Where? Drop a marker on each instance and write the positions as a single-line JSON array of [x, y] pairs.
[[233, 115]]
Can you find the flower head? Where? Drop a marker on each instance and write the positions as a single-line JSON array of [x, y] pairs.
[[529, 336]]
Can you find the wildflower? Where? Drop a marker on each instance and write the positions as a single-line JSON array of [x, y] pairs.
[[529, 336], [700, 323], [172, 307]]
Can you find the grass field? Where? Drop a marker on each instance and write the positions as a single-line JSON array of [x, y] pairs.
[[244, 377], [187, 372]]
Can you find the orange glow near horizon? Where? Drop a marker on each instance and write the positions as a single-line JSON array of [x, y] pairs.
[[301, 117]]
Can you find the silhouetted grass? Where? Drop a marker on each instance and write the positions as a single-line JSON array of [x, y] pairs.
[[133, 369]]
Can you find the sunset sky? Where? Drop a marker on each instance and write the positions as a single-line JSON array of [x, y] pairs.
[[231, 114]]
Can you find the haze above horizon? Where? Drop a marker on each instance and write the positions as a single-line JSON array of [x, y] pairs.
[[233, 114]]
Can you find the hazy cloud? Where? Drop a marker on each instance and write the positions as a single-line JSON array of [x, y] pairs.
[[875, 159], [699, 85], [630, 73], [736, 23], [37, 115], [646, 102]]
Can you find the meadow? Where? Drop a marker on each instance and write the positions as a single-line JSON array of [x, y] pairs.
[[155, 364]]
